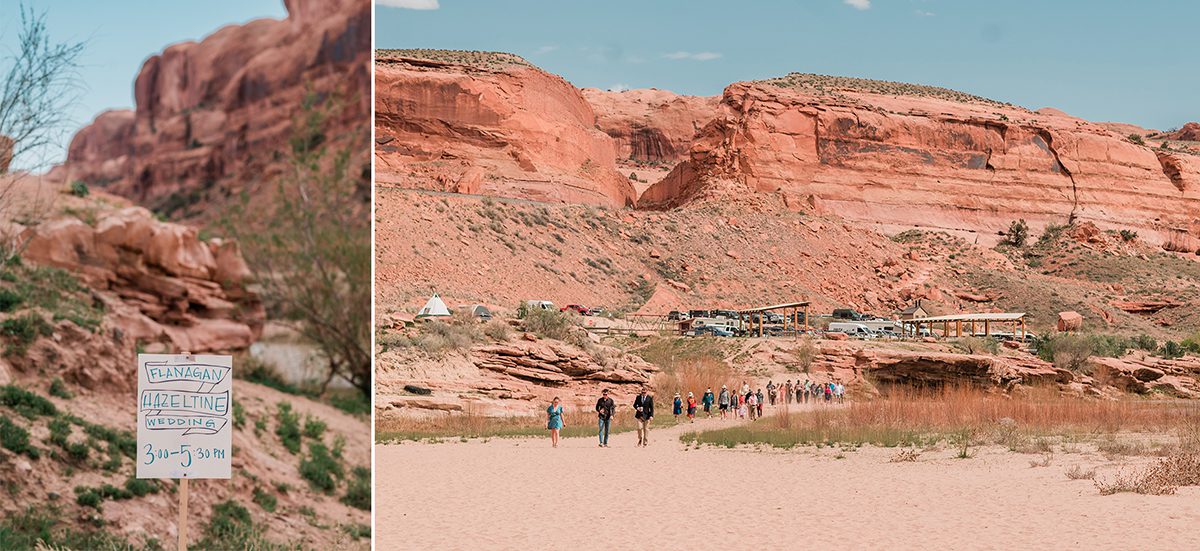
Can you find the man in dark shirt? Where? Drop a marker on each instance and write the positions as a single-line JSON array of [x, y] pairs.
[[643, 407], [604, 411]]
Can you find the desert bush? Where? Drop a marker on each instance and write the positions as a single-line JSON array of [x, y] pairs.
[[321, 468], [977, 345], [14, 437], [497, 330], [58, 389], [906, 456], [288, 427], [313, 427], [1078, 473], [806, 353], [1163, 477], [436, 337], [28, 404], [549, 324], [1017, 234], [266, 500], [79, 188], [358, 489], [1136, 139], [1067, 351], [22, 331], [232, 527], [1043, 462], [1128, 235], [10, 300], [310, 253]]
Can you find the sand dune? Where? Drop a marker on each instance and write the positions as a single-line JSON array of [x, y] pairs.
[[521, 494]]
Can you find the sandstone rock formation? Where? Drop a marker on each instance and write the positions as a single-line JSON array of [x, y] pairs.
[[158, 280], [1176, 378], [471, 122], [1069, 321], [556, 364], [1189, 132], [209, 114], [650, 125], [901, 155]]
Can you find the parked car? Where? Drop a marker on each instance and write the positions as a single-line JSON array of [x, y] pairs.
[[727, 314], [676, 315], [693, 314], [596, 311], [539, 305], [577, 308], [772, 317], [856, 330], [849, 314], [713, 330]]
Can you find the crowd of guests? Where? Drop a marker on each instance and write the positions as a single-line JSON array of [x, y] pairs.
[[740, 404]]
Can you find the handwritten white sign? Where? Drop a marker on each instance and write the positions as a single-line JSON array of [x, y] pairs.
[[185, 405]]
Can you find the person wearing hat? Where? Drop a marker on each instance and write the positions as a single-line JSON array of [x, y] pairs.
[[691, 407], [605, 407], [708, 400], [677, 407]]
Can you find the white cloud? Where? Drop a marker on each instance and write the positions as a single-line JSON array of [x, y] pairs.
[[410, 4], [696, 56], [619, 87], [858, 4], [924, 13], [545, 50]]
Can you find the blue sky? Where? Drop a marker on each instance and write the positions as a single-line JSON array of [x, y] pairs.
[[1104, 60], [120, 35]]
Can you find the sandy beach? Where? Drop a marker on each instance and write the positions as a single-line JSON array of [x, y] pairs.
[[521, 494]]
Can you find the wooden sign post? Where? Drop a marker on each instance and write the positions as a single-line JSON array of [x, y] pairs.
[[185, 407]]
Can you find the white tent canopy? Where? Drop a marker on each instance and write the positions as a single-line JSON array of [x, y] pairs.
[[435, 308]]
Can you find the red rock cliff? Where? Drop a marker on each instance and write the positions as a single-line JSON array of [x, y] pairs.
[[479, 122], [651, 125], [902, 155], [212, 116]]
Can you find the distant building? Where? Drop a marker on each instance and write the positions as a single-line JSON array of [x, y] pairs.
[[914, 312]]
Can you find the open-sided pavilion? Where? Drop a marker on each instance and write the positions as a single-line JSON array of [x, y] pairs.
[[954, 324]]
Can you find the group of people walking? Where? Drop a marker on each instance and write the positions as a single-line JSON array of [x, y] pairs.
[[741, 404], [803, 392]]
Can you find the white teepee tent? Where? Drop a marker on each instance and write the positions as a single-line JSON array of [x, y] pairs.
[[435, 308]]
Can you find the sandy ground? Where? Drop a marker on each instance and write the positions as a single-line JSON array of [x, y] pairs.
[[521, 494]]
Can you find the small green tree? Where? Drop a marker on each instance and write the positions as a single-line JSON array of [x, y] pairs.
[[1137, 139], [310, 251], [1017, 234]]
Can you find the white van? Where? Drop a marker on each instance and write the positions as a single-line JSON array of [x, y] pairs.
[[539, 305], [854, 329]]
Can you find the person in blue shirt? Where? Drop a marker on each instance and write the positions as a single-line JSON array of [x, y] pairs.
[[554, 421]]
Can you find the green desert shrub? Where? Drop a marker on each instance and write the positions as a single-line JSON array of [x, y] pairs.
[[288, 428], [322, 469], [358, 489]]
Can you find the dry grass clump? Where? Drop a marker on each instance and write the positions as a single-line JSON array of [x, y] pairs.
[[966, 417], [689, 365], [1162, 478], [906, 456], [497, 330], [1043, 462], [1078, 473]]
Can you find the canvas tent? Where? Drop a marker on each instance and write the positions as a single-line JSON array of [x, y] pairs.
[[479, 311], [435, 308]]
